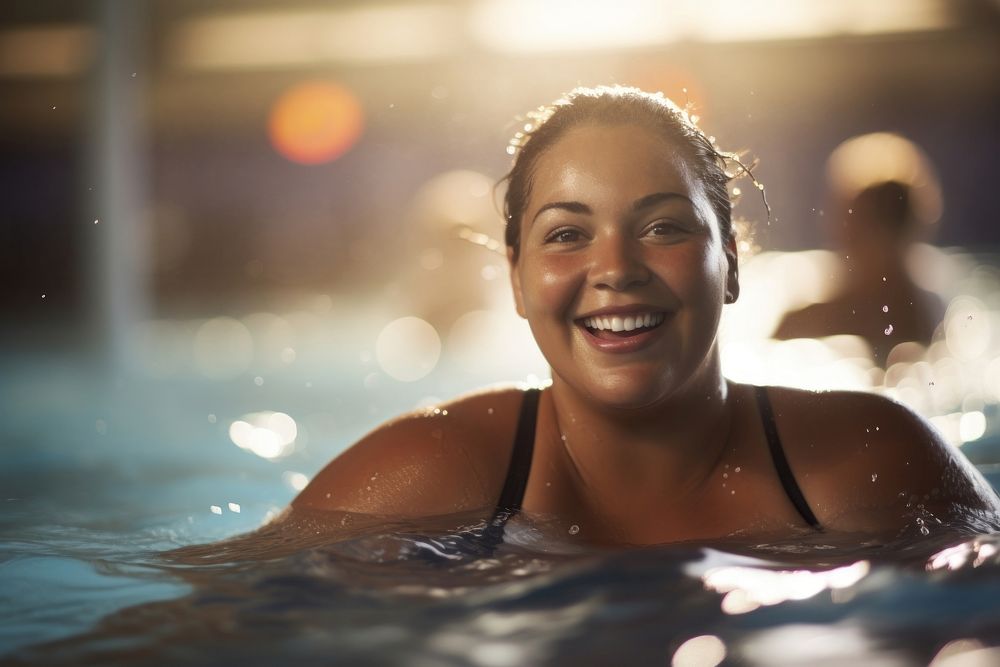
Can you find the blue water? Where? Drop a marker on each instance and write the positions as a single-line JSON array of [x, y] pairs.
[[104, 474]]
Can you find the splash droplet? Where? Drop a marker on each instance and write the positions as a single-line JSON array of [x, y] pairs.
[[574, 529], [888, 330], [885, 309]]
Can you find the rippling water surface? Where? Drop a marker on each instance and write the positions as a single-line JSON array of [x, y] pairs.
[[403, 594]]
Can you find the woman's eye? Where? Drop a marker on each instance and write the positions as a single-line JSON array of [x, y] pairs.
[[563, 236], [663, 229]]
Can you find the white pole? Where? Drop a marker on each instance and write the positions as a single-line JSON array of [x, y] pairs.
[[117, 273]]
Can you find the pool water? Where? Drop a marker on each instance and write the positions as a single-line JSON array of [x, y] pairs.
[[106, 474], [79, 592], [104, 478]]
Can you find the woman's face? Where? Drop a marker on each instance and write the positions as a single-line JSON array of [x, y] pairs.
[[622, 273]]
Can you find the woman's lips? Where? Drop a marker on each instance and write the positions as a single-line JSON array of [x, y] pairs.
[[622, 333]]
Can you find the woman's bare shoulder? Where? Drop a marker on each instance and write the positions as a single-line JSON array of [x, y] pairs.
[[438, 460], [862, 458]]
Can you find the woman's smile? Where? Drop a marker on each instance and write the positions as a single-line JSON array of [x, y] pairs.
[[622, 329]]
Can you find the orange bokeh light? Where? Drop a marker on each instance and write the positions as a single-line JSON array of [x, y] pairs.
[[315, 122]]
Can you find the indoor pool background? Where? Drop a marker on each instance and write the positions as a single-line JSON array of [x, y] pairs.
[[105, 470]]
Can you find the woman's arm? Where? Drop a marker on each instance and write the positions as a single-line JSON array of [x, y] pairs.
[[869, 464]]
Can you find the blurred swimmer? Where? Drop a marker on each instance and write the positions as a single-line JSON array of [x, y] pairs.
[[885, 198]]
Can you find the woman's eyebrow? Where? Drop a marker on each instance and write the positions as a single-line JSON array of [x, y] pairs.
[[571, 206], [658, 197], [638, 205]]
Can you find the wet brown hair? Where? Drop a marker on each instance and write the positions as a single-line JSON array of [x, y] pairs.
[[616, 105]]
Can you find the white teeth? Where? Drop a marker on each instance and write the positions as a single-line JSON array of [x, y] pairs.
[[630, 323]]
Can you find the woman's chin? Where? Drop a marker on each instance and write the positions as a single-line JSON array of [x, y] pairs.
[[628, 393]]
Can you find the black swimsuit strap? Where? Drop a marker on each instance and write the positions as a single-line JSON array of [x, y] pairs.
[[780, 462], [520, 457]]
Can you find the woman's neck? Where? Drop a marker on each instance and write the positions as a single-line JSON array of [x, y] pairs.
[[668, 449]]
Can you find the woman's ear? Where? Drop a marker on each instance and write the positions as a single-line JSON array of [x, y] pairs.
[[733, 272], [515, 282]]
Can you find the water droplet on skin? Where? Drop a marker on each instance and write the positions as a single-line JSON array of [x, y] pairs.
[[733, 492], [924, 530], [489, 411], [888, 330], [725, 475], [574, 529], [885, 309], [96, 221], [874, 477], [883, 278], [738, 468], [850, 211]]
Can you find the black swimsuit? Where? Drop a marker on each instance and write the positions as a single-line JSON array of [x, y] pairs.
[[524, 441]]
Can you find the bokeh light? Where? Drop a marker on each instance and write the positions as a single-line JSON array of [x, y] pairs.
[[223, 347], [701, 651], [267, 434], [315, 122], [408, 349]]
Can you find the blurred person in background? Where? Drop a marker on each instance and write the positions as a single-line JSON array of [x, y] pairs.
[[885, 198]]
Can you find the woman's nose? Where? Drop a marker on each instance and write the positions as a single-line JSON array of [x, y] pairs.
[[618, 265]]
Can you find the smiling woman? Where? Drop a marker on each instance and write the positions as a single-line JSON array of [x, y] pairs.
[[622, 257]]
